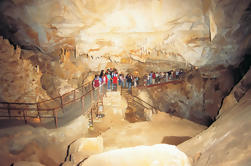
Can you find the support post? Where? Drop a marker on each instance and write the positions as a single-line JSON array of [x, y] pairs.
[[61, 102], [9, 111], [24, 115], [55, 118], [92, 95], [82, 90], [74, 94], [82, 104], [91, 116], [38, 112]]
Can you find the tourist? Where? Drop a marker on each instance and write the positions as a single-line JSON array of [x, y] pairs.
[[145, 79], [153, 77], [96, 82], [134, 82], [121, 78], [127, 83], [115, 82], [167, 76], [129, 80], [148, 79], [177, 74], [109, 80]]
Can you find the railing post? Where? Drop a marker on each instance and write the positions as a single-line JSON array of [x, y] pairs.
[[61, 102], [92, 95], [82, 103], [9, 111], [24, 117], [55, 118], [38, 112], [99, 89], [82, 90], [91, 116], [74, 94]]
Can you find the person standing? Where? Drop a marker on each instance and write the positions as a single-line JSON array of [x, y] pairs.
[[127, 78], [96, 82], [154, 77], [109, 80], [135, 81], [129, 82], [122, 80], [148, 79], [115, 82]]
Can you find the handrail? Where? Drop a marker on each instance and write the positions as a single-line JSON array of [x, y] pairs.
[[148, 86], [144, 102], [88, 83], [160, 84], [54, 109]]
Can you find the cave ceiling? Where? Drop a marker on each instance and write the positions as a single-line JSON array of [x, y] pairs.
[[196, 32]]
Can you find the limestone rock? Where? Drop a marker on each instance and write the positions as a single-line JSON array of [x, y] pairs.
[[226, 141], [68, 163], [19, 78], [156, 155], [237, 93], [27, 163], [148, 114], [84, 147], [198, 97], [147, 32]]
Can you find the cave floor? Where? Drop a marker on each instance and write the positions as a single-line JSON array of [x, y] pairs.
[[163, 128]]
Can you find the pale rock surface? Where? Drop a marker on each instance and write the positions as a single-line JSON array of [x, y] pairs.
[[162, 125], [237, 93], [27, 163], [148, 113], [84, 147], [197, 97], [156, 155], [20, 81], [227, 141], [194, 32], [47, 146]]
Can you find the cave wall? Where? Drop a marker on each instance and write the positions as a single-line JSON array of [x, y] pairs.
[[20, 79], [198, 97], [227, 140]]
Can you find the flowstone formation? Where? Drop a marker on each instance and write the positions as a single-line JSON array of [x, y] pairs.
[[181, 33], [20, 79]]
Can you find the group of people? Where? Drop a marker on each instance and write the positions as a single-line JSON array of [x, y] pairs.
[[158, 77], [111, 78]]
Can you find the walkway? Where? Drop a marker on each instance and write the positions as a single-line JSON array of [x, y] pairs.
[[55, 112]]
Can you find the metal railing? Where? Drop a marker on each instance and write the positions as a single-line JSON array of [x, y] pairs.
[[145, 104], [60, 108], [83, 100]]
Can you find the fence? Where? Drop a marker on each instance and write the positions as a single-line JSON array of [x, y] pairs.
[[81, 100]]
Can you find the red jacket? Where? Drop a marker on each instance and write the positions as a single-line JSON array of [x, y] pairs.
[[106, 79], [115, 80], [96, 83]]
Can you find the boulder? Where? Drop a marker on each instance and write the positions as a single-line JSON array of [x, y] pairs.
[[84, 147], [156, 155]]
